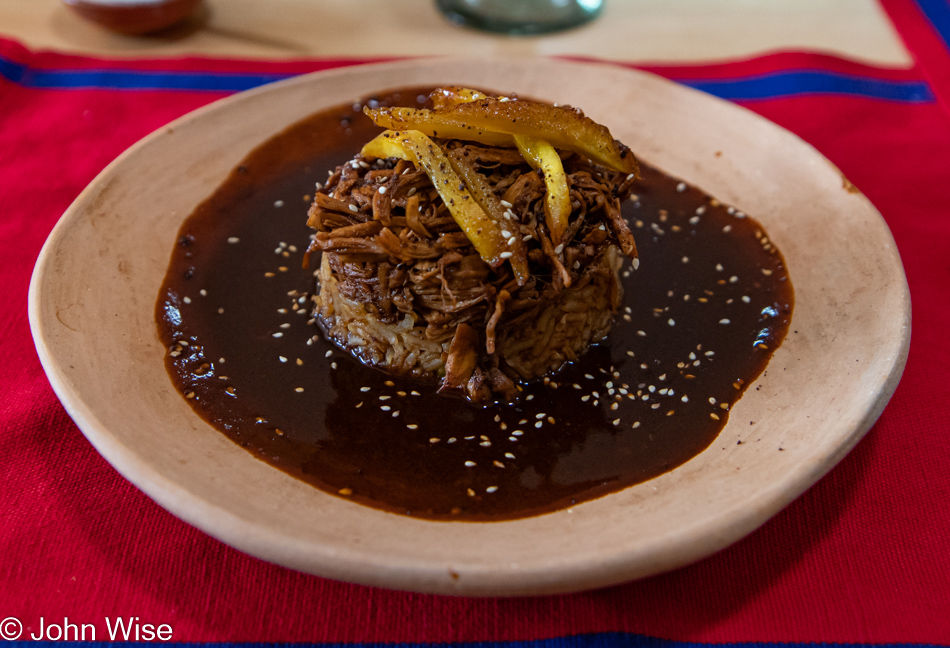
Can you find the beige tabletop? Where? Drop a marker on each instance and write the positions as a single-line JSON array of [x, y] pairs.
[[629, 30]]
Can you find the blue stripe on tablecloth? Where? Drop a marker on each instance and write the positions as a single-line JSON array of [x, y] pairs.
[[938, 13], [131, 79], [595, 640], [779, 84], [775, 85]]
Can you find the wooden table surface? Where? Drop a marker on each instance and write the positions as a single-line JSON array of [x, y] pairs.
[[629, 30]]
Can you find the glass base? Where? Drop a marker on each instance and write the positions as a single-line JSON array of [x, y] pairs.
[[520, 17]]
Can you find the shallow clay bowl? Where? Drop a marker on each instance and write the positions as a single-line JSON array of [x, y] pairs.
[[97, 279]]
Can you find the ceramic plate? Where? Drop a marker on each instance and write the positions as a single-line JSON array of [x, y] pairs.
[[98, 276]]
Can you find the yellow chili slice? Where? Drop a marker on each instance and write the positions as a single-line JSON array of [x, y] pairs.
[[482, 193], [493, 121], [483, 231], [448, 96], [557, 196]]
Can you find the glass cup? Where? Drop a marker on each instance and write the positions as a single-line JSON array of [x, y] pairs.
[[521, 17]]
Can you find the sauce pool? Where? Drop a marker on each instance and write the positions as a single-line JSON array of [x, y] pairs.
[[702, 315]]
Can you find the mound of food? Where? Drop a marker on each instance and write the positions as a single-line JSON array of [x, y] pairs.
[[476, 244]]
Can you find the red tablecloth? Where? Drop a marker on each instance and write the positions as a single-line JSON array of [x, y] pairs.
[[863, 557]]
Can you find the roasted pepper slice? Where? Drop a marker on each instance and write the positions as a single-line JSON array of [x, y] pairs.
[[557, 196], [485, 197], [483, 231], [493, 121], [448, 96]]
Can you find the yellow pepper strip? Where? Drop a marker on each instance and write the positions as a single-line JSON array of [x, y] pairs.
[[486, 198], [493, 122], [483, 232], [428, 122], [557, 197], [448, 96]]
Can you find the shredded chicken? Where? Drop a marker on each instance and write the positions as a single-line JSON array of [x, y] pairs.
[[393, 247]]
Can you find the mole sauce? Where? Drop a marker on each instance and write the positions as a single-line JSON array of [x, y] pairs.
[[708, 305]]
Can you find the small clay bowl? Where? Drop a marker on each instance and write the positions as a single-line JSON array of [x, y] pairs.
[[134, 17]]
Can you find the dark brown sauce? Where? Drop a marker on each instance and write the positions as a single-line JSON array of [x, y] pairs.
[[707, 307]]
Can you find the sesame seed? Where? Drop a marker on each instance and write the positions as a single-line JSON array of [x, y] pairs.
[[353, 208], [641, 334], [299, 389], [233, 239], [727, 229], [636, 263], [382, 190], [506, 204], [203, 292], [285, 325], [278, 203], [505, 233], [505, 255], [187, 300], [278, 334], [719, 267], [685, 259], [282, 358], [745, 299], [681, 187], [469, 464], [560, 248], [724, 321], [511, 241], [714, 416], [385, 408], [332, 365], [671, 322]]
